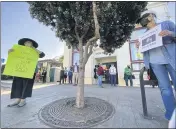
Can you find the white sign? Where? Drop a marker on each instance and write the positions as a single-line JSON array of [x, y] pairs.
[[151, 39]]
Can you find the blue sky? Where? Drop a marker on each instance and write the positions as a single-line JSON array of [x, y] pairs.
[[16, 23]]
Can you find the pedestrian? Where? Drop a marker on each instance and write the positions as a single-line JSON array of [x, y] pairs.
[[95, 72], [100, 73], [113, 72], [37, 76], [22, 87], [62, 75], [44, 76], [128, 75], [70, 75], [75, 74], [152, 76], [162, 59], [65, 75]]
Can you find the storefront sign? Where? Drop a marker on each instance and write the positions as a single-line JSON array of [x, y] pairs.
[[101, 54], [151, 39], [21, 62]]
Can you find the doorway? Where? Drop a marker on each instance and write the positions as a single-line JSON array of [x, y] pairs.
[[106, 77]]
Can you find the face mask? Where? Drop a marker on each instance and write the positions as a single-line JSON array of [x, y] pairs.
[[144, 22]]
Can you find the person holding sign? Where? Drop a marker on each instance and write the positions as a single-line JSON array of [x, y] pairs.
[[161, 58], [22, 87]]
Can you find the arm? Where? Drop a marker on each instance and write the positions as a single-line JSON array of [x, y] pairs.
[[10, 50], [172, 28], [41, 55], [169, 31]]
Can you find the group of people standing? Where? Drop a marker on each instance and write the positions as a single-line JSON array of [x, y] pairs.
[[70, 74], [109, 73], [41, 76]]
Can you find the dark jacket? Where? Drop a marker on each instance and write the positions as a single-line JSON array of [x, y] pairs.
[[44, 74], [62, 73]]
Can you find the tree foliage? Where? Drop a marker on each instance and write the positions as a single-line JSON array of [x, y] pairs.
[[61, 59], [74, 20], [83, 23]]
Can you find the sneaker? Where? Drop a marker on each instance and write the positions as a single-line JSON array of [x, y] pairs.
[[13, 104], [22, 103]]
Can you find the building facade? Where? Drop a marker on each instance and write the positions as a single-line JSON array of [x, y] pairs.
[[126, 55], [47, 64]]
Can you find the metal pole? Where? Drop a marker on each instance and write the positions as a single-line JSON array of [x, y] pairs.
[[144, 103]]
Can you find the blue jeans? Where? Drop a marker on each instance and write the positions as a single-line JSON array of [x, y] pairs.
[[70, 79], [161, 72], [100, 80], [113, 80], [128, 77]]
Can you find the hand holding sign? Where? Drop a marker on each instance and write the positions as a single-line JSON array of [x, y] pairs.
[[21, 62], [10, 50], [166, 33]]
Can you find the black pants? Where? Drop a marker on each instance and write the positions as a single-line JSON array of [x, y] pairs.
[[44, 79], [22, 87], [65, 78], [62, 79]]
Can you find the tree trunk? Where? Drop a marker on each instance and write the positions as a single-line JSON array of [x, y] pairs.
[[83, 60], [80, 87]]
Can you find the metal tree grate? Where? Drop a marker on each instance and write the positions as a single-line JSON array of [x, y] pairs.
[[63, 113]]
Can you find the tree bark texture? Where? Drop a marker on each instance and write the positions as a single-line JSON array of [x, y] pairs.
[[80, 87], [84, 56]]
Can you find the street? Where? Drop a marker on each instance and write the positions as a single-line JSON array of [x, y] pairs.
[[126, 100]]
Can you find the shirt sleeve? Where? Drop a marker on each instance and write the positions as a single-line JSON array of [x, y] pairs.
[[172, 27]]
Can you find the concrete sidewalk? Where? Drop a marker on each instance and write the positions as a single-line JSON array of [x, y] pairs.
[[126, 100], [8, 83]]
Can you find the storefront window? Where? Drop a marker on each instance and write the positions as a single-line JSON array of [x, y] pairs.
[[137, 66], [135, 54]]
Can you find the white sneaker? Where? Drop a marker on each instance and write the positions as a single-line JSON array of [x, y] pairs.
[[172, 122]]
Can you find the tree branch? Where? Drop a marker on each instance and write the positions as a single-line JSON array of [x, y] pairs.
[[97, 27], [90, 51], [88, 54], [85, 31], [77, 35], [90, 41]]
